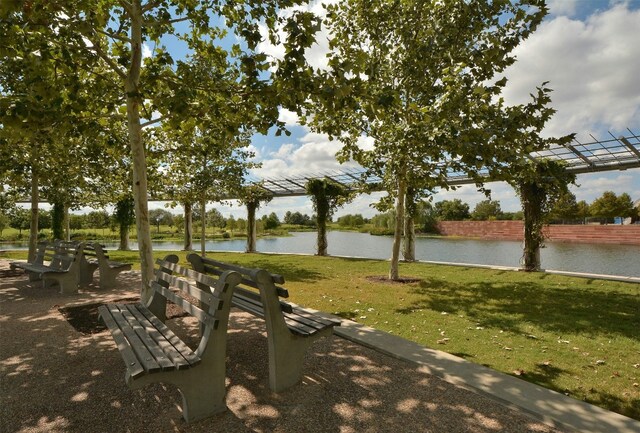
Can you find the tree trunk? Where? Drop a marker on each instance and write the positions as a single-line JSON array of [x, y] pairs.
[[57, 220], [188, 227], [124, 237], [533, 235], [251, 227], [67, 224], [322, 242], [33, 226], [394, 273], [134, 100], [203, 230], [409, 239]]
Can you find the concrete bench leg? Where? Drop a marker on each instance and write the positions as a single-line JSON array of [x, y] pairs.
[[203, 392], [108, 277], [68, 283], [286, 358]]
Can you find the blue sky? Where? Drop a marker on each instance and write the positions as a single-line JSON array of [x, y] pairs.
[[588, 50]]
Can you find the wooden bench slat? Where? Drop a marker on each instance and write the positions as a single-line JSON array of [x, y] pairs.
[[126, 351], [163, 340], [185, 305], [196, 276], [309, 315], [202, 296], [188, 354], [142, 353], [143, 330]]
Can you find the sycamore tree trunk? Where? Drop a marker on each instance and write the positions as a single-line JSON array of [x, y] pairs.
[[188, 227], [66, 224], [203, 228], [533, 223], [134, 100], [33, 226], [251, 227], [124, 237], [409, 239], [321, 241], [394, 273]]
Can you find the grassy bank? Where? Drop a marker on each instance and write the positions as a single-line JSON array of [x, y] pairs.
[[578, 336]]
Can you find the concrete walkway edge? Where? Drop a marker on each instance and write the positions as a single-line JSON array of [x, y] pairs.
[[549, 406]]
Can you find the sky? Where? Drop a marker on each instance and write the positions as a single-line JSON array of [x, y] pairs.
[[588, 50]]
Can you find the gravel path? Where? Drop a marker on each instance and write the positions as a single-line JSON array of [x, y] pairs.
[[56, 379]]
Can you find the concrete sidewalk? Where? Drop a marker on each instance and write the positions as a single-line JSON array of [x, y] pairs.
[[548, 406]]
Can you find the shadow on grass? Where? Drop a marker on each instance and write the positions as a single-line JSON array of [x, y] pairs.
[[512, 305]]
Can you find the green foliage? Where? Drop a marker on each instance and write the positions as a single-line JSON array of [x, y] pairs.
[[610, 206], [350, 220], [160, 217], [271, 221], [565, 207], [57, 220], [538, 184], [296, 218], [486, 210], [452, 210]]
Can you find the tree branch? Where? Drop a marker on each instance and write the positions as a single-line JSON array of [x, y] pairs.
[[107, 60], [156, 23], [154, 121], [128, 7], [114, 36], [150, 5]]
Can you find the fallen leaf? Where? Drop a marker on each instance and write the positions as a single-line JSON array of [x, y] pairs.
[[519, 372], [443, 341], [600, 362]]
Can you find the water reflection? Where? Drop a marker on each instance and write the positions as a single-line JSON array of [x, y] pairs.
[[574, 257]]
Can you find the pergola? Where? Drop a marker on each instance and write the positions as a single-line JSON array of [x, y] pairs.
[[615, 153]]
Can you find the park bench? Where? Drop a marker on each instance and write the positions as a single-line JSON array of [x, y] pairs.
[[290, 328], [55, 262], [153, 353], [109, 269]]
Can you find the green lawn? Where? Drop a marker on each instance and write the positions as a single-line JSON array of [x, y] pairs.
[[577, 336]]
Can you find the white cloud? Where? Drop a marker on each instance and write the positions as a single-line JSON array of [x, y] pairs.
[[563, 7], [288, 117], [146, 51], [592, 67]]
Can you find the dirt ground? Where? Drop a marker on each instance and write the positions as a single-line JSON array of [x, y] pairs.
[[60, 372]]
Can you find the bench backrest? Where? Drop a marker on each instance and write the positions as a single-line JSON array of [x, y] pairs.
[[256, 284], [213, 295], [58, 254]]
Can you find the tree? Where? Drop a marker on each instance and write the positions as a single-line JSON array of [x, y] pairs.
[[419, 79], [252, 197], [539, 184], [111, 35], [214, 218], [271, 221], [609, 206], [452, 210], [125, 217], [160, 217], [565, 207], [486, 210], [326, 196], [582, 211], [20, 219]]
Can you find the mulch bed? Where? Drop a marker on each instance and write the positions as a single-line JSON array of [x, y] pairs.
[[84, 318]]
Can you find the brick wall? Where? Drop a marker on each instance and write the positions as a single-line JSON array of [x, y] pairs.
[[512, 230]]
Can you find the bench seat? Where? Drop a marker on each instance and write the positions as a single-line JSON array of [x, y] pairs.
[[152, 352]]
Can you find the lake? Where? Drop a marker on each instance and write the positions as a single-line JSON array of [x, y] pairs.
[[610, 259]]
